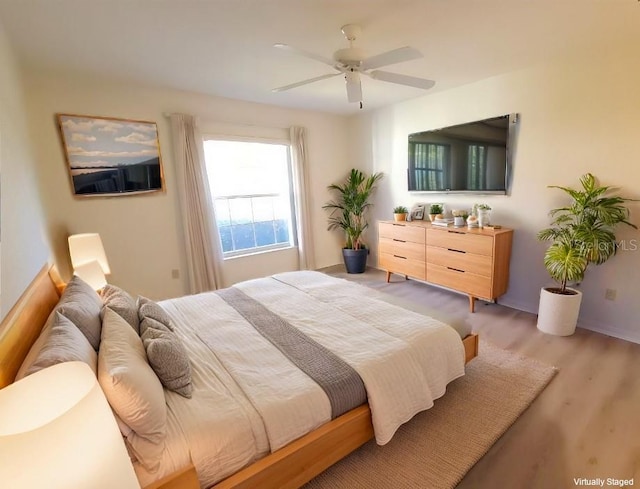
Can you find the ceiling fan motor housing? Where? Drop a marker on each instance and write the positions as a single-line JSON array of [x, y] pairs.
[[351, 57]]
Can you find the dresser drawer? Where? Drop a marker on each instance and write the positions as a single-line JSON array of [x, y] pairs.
[[469, 262], [402, 232], [403, 266], [406, 249], [455, 240], [470, 283]]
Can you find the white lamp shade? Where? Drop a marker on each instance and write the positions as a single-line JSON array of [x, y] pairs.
[[91, 272], [57, 431], [85, 248]]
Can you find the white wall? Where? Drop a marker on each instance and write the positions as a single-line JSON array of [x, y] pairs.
[[576, 117], [24, 249], [143, 234]]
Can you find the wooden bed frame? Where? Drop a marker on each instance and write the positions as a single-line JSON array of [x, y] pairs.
[[289, 467]]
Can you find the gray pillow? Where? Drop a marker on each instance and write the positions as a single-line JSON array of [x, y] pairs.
[[81, 304], [150, 309], [60, 341], [122, 303], [168, 358]]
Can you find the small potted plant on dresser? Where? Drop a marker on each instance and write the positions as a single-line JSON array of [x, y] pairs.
[[435, 210], [400, 213], [581, 234], [348, 214]]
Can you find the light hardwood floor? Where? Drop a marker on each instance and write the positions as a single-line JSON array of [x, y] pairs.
[[585, 424]]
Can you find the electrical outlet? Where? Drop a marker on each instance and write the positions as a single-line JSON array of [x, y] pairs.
[[175, 273], [610, 294]]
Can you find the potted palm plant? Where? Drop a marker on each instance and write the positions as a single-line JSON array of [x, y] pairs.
[[581, 234], [348, 214]]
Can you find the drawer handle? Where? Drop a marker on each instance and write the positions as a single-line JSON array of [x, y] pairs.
[[456, 251], [400, 240], [457, 232], [398, 256], [455, 270], [402, 225]]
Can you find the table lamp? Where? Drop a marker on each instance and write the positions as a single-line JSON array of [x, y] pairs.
[[86, 250], [58, 431]]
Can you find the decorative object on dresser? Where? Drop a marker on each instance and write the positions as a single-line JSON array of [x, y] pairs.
[[459, 217], [348, 213], [109, 157], [582, 234], [417, 212], [483, 214], [435, 210], [62, 409], [472, 261], [88, 259], [400, 213]]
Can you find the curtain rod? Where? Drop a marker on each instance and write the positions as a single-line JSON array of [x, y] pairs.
[[169, 114]]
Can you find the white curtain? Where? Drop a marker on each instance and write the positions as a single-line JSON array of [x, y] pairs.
[[300, 191], [200, 235]]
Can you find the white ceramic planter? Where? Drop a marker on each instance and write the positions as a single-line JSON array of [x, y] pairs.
[[558, 313]]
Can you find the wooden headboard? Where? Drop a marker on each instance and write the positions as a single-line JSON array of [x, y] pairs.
[[24, 322]]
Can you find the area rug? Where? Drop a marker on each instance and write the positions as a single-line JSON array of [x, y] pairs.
[[439, 446]]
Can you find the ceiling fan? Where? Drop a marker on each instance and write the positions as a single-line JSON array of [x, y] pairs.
[[352, 62]]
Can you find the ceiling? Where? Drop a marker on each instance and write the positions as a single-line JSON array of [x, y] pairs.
[[224, 47]]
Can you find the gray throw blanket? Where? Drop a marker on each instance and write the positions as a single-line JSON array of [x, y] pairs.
[[341, 383]]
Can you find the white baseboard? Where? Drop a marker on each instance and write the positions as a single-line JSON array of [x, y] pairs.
[[632, 336]]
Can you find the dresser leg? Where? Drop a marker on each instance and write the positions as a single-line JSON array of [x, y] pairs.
[[472, 304], [388, 276], [406, 277]]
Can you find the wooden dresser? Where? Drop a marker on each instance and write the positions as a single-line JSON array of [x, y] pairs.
[[472, 261]]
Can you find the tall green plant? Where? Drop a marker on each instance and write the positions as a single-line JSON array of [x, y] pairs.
[[349, 208], [582, 232]]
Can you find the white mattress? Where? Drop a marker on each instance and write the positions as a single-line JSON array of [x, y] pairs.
[[249, 399]]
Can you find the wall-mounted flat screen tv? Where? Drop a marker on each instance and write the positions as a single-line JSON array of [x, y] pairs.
[[471, 157]]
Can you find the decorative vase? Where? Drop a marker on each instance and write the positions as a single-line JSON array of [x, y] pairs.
[[484, 218], [458, 221]]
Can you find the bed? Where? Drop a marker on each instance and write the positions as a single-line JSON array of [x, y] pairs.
[[296, 461]]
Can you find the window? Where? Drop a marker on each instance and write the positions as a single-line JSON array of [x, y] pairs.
[[251, 188], [427, 165]]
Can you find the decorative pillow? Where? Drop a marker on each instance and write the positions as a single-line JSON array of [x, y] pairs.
[[121, 302], [168, 357], [62, 342], [132, 389], [150, 309], [81, 304]]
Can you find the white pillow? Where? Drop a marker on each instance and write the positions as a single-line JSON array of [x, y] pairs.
[[132, 389]]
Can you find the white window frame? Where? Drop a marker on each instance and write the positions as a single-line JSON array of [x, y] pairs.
[[293, 243]]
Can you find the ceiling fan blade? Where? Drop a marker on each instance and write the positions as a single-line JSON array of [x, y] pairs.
[[304, 82], [306, 54], [390, 57], [410, 81], [354, 87]]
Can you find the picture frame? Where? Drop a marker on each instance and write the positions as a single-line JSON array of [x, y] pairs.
[[417, 212], [107, 156]]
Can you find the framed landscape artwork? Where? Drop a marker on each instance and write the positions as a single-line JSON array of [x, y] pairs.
[[108, 157]]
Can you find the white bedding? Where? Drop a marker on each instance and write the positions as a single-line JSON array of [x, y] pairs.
[[249, 399]]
